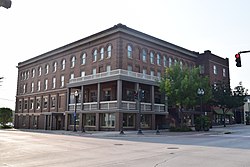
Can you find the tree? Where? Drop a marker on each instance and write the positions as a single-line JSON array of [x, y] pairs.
[[181, 85], [226, 99], [5, 116]]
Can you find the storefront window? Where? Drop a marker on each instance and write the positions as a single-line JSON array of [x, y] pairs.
[[146, 121], [108, 120], [128, 120], [72, 119], [90, 120]]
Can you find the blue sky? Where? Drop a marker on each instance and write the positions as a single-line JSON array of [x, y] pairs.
[[30, 28]]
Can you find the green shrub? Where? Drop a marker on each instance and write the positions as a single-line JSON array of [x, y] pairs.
[[180, 129]]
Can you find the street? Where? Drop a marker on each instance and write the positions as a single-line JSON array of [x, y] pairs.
[[104, 149]]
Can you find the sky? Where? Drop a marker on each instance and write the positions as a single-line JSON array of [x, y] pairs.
[[33, 27]]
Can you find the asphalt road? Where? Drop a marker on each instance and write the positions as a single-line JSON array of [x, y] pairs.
[[28, 149]]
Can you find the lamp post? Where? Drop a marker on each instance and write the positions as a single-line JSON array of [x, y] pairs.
[[200, 93], [76, 97]]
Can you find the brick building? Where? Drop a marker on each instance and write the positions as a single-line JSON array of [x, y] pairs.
[[105, 68]]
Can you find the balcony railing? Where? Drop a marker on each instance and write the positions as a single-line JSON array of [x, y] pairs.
[[109, 105], [114, 73]]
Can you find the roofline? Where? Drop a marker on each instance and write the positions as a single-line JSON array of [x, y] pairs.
[[107, 32]]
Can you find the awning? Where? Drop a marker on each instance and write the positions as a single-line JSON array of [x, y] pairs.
[[220, 112]]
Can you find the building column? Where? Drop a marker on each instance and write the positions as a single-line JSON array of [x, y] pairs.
[[98, 95], [66, 121], [80, 121], [68, 98], [119, 94], [153, 98], [51, 121], [82, 99], [56, 102], [97, 121], [118, 121], [45, 122], [153, 122]]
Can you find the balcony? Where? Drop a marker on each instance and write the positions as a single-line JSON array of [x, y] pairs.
[[115, 73]]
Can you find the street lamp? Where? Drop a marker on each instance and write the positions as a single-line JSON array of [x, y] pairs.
[[76, 97], [200, 93]]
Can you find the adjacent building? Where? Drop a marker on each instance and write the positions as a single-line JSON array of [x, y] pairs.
[[105, 69]]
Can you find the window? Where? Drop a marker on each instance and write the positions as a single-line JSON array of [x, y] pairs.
[[129, 68], [32, 87], [73, 62], [63, 64], [129, 49], [82, 73], [108, 68], [144, 72], [158, 59], [45, 84], [93, 96], [164, 61], [62, 81], [175, 61], [90, 119], [159, 74], [39, 71], [202, 69], [31, 107], [152, 73], [54, 66], [181, 65], [24, 88], [107, 95], [25, 75], [72, 119], [72, 76], [169, 62], [45, 102], [20, 105], [53, 101], [215, 69], [101, 53], [144, 55], [95, 55], [224, 72], [25, 104], [38, 85], [151, 57], [128, 120], [53, 82], [94, 71], [46, 69], [83, 58], [38, 103], [33, 73], [109, 51], [107, 120], [28, 74]]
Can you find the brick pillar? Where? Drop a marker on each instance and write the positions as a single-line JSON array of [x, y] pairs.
[[66, 121], [153, 126], [97, 121]]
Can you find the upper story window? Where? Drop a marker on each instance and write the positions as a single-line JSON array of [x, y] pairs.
[[129, 68], [39, 71], [45, 84], [73, 62], [83, 73], [152, 58], [32, 87], [144, 55], [129, 49], [215, 69], [109, 51], [83, 58], [53, 82], [101, 53], [62, 81], [46, 69], [164, 61], [202, 69], [108, 68], [181, 65], [24, 88], [95, 55], [152, 73], [38, 86], [72, 76], [158, 59], [54, 66], [224, 72], [33, 73], [175, 61], [63, 64], [94, 71], [28, 74], [169, 62]]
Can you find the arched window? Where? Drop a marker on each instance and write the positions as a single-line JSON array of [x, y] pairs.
[[83, 58], [109, 51], [39, 71], [73, 62], [158, 59], [54, 66], [63, 64], [46, 69], [95, 55], [101, 53], [144, 55], [165, 61], [169, 62], [151, 57], [129, 48], [33, 73]]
